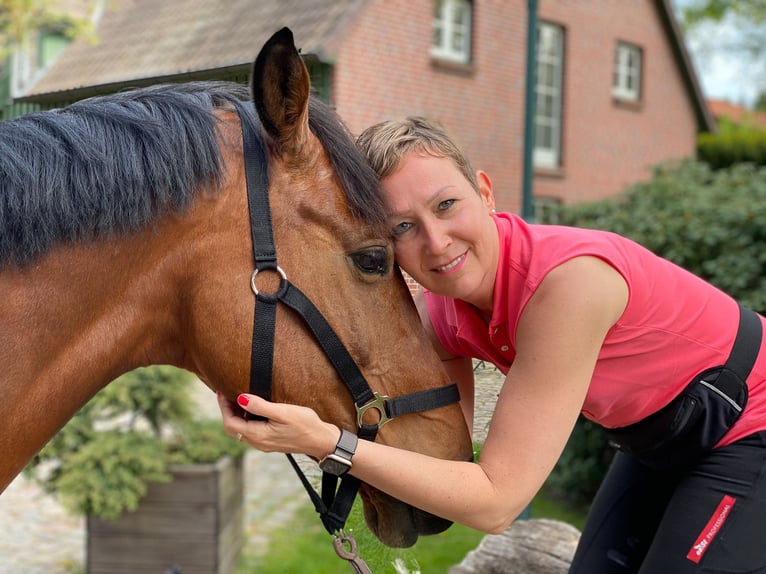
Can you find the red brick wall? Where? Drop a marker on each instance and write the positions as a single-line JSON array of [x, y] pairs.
[[383, 70], [411, 283], [607, 145]]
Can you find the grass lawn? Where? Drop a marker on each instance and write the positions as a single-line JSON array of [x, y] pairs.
[[304, 546]]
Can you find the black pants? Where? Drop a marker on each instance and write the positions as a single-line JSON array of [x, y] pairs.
[[709, 519]]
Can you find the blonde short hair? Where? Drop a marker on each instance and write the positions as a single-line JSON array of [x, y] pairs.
[[386, 143]]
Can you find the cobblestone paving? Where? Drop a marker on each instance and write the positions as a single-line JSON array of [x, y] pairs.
[[38, 537], [488, 381]]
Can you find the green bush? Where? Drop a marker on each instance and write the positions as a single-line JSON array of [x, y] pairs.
[[101, 462], [732, 144], [581, 467], [712, 223]]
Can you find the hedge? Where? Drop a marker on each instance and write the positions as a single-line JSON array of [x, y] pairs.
[[711, 222]]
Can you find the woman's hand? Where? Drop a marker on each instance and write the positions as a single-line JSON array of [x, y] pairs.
[[289, 428]]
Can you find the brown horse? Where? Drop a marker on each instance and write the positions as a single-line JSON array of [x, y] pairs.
[[125, 241]]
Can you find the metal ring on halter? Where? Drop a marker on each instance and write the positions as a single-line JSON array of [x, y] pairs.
[[276, 268], [379, 404]]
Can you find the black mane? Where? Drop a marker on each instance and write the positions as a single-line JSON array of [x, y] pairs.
[[358, 180], [113, 164]]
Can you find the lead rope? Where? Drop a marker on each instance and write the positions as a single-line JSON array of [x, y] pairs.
[[344, 544]]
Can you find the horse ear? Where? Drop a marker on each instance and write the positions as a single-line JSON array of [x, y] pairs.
[[280, 87]]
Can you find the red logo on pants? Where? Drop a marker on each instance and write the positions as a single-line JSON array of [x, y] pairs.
[[712, 528]]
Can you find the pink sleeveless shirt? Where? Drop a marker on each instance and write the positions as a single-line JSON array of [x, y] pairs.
[[674, 326]]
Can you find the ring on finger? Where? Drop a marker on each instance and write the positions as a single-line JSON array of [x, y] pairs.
[[239, 437]]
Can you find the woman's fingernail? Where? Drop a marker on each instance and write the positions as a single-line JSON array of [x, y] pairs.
[[243, 400]]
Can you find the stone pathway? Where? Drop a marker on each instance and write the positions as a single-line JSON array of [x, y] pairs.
[[38, 537]]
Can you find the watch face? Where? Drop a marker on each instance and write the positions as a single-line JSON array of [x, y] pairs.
[[335, 465]]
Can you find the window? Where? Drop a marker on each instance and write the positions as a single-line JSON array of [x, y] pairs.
[[549, 88], [451, 30], [50, 45], [33, 57], [627, 72]]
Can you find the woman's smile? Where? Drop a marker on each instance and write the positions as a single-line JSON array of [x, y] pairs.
[[453, 265]]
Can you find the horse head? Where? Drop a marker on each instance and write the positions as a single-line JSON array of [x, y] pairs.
[[332, 242]]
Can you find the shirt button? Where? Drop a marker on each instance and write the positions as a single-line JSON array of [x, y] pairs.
[[504, 348]]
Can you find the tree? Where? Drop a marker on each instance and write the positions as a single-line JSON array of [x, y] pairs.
[[695, 11], [21, 18], [749, 17], [736, 27]]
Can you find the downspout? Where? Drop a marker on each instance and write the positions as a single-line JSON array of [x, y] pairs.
[[527, 197]]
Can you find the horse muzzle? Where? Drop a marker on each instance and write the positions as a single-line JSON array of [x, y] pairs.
[[395, 523]]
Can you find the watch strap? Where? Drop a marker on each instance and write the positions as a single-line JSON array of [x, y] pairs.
[[338, 462], [346, 446]]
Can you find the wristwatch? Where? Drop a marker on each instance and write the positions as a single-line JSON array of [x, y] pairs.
[[338, 462]]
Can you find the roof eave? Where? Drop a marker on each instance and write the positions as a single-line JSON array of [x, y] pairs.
[[705, 120], [81, 92]]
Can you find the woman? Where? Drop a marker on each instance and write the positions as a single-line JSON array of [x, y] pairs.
[[580, 321]]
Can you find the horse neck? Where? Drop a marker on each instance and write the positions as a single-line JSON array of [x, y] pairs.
[[71, 322]]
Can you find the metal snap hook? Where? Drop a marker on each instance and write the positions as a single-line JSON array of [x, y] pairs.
[[339, 541], [345, 545]]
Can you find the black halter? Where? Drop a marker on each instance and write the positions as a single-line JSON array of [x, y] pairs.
[[333, 507]]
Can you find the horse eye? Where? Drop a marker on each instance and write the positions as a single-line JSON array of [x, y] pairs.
[[371, 261]]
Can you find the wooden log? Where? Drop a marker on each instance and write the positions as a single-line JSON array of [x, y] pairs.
[[537, 546]]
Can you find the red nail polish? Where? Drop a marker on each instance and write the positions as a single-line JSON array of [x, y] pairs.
[[243, 400]]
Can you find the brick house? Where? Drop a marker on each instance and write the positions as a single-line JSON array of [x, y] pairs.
[[616, 90]]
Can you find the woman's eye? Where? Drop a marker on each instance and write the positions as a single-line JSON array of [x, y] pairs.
[[446, 204], [400, 228], [371, 261]]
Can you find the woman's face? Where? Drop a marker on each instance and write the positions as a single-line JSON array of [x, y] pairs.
[[444, 234]]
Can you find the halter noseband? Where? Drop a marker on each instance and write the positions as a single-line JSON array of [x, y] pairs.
[[333, 507]]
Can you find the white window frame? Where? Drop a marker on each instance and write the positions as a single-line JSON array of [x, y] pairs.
[[451, 30], [627, 72], [22, 63], [549, 91]]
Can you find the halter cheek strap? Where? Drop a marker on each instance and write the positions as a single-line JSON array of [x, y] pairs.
[[333, 507]]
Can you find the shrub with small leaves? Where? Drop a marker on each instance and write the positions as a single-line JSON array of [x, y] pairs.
[[108, 476], [733, 143], [203, 442], [101, 462], [710, 222]]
